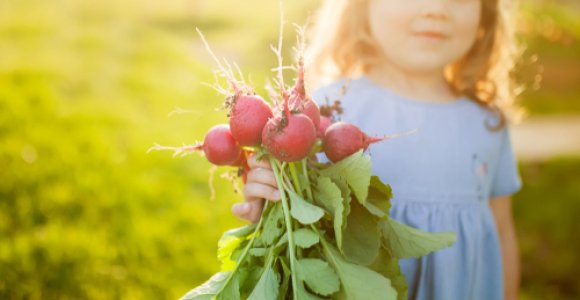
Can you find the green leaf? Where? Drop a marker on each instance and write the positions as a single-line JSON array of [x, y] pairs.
[[226, 247], [362, 236], [375, 210], [243, 231], [267, 287], [238, 252], [318, 275], [388, 265], [251, 279], [358, 282], [378, 198], [356, 170], [380, 187], [305, 238], [243, 275], [405, 241], [282, 241], [231, 241], [303, 294], [259, 252], [208, 289], [231, 291], [346, 196], [285, 279], [329, 196], [303, 211], [273, 225]]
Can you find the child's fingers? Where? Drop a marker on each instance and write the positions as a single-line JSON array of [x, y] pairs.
[[254, 190], [249, 210], [264, 176], [240, 210], [256, 211], [253, 163]]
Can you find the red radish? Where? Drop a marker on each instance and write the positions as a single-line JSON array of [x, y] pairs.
[[308, 107], [289, 137], [248, 116], [342, 139], [302, 102], [219, 146], [325, 122]]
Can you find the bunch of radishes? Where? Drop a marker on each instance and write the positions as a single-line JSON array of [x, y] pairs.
[[286, 130], [325, 209]]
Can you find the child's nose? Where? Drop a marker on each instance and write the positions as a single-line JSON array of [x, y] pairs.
[[436, 9]]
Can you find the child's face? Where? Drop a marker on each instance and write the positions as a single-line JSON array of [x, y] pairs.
[[424, 35]]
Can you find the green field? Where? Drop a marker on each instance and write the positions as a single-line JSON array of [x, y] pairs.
[[545, 211], [86, 88]]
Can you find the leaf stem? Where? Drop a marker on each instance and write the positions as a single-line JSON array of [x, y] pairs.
[[246, 250], [288, 221], [295, 179], [308, 187]]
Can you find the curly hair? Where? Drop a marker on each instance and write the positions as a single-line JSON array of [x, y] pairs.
[[342, 45]]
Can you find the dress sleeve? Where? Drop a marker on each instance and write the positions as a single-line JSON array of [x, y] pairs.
[[328, 92], [507, 179]]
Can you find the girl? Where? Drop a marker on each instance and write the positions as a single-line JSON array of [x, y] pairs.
[[443, 67]]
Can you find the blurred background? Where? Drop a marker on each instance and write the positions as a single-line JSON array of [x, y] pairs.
[[86, 87]]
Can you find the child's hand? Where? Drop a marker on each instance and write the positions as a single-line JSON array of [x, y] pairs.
[[260, 184]]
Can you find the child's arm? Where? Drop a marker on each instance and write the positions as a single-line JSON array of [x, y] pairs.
[[502, 211]]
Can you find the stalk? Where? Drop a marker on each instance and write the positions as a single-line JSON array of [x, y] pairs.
[[298, 190], [246, 250], [288, 221], [295, 179], [308, 187]]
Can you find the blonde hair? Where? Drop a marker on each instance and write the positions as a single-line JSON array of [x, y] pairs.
[[341, 45]]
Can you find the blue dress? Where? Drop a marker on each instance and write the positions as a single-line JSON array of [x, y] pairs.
[[442, 177]]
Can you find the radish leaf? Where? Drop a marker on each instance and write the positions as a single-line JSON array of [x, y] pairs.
[[362, 237], [346, 196], [356, 170], [388, 265], [259, 252], [357, 281], [406, 241], [303, 294], [273, 225], [232, 289], [267, 287], [226, 246], [318, 275], [329, 196], [208, 289], [303, 211], [305, 238], [378, 198]]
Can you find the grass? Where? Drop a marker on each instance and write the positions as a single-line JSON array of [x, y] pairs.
[[546, 224]]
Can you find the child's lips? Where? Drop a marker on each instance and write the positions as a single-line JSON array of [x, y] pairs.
[[431, 35]]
